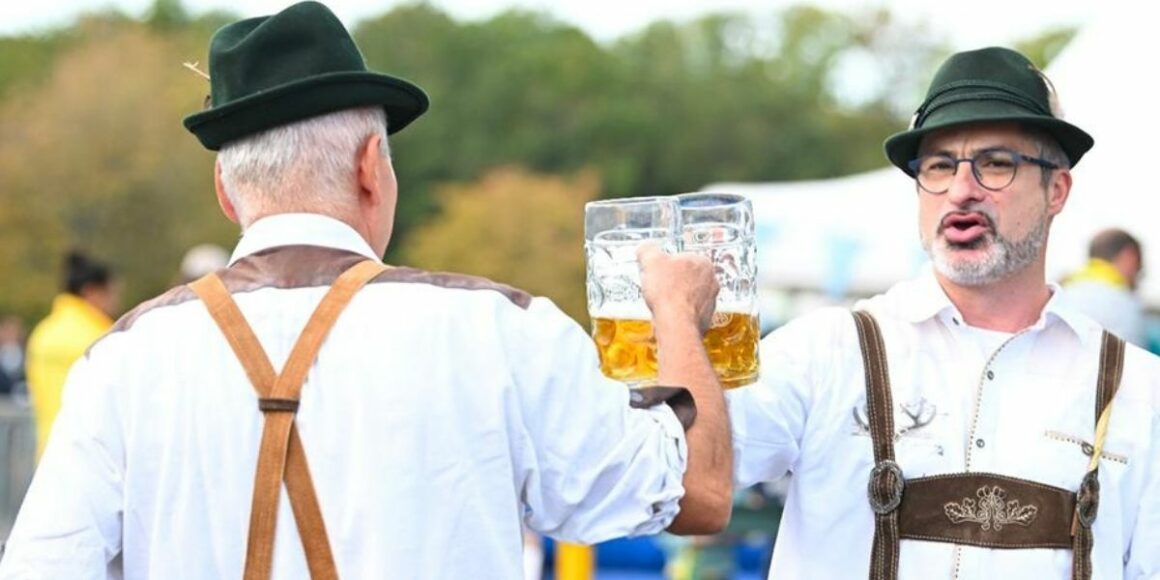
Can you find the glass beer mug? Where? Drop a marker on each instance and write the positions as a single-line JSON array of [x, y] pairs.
[[621, 321], [720, 226]]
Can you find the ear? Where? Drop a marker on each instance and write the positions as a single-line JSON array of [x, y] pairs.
[[372, 167], [223, 199], [1058, 191]]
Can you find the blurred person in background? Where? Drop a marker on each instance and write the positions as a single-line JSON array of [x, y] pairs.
[[80, 314], [969, 423], [201, 260], [12, 356], [437, 412], [1105, 288]]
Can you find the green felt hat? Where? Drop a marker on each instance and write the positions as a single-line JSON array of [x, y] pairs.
[[989, 85], [300, 63]]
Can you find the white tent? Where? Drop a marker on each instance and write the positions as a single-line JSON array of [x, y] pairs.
[[858, 234]]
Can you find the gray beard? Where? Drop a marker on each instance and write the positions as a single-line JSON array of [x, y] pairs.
[[1003, 256]]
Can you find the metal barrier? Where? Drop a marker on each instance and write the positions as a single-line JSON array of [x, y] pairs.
[[17, 456]]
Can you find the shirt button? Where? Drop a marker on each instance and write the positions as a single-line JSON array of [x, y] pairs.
[[990, 375], [956, 320], [980, 443]]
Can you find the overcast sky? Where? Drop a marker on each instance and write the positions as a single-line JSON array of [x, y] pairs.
[[965, 24]]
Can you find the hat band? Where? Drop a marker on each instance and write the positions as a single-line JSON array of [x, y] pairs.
[[998, 92]]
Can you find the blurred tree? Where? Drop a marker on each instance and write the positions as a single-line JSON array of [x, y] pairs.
[[92, 152], [1042, 48], [518, 88], [27, 59], [97, 159], [167, 15], [515, 227]]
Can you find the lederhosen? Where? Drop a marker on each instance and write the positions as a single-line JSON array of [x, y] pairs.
[[281, 457], [1002, 512]]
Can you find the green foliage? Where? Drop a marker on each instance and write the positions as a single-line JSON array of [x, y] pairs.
[[512, 226], [97, 159], [1041, 49], [92, 152], [167, 15]]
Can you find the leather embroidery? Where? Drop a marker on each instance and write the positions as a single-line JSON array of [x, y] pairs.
[[992, 510]]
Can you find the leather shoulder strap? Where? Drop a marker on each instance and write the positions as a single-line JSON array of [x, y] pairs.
[[281, 456], [1087, 499], [1111, 370], [886, 481]]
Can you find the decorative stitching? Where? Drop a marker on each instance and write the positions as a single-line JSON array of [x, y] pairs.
[[913, 480], [970, 542], [1085, 447], [993, 510]]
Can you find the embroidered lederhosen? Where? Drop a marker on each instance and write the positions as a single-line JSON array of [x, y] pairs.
[[281, 457], [1001, 511]]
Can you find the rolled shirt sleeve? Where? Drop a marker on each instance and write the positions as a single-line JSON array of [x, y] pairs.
[[590, 466]]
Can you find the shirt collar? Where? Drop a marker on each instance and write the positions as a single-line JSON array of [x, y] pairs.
[[928, 300], [300, 229]]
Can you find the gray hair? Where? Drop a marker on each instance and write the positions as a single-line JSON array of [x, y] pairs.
[[1049, 150], [307, 166]]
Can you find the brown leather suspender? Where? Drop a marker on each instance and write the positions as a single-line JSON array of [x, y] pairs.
[[933, 508], [1088, 496], [281, 456], [885, 487]]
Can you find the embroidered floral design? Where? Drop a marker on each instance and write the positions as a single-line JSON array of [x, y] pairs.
[[992, 510]]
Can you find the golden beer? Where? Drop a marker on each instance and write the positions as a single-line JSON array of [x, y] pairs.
[[628, 349]]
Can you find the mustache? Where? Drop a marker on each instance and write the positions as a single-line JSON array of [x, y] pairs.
[[983, 214]]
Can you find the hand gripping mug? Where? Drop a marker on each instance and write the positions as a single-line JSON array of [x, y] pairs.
[[720, 226], [621, 321]]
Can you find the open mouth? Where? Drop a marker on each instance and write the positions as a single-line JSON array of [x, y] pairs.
[[964, 228]]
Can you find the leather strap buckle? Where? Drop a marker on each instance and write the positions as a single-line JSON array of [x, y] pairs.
[[273, 405], [885, 487], [1087, 499]]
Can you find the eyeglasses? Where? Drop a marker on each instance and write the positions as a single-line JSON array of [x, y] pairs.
[[994, 169]]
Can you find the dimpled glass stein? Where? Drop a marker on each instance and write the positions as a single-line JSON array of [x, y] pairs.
[[720, 226], [621, 321]]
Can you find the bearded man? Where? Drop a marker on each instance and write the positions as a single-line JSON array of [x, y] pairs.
[[967, 424]]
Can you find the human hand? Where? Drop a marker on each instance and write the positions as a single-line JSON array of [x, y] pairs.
[[678, 287]]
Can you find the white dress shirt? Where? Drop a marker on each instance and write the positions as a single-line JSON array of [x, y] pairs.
[[969, 400], [437, 417]]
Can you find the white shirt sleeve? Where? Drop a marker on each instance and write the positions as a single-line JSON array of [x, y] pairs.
[[69, 525], [769, 416], [590, 467], [1143, 557]]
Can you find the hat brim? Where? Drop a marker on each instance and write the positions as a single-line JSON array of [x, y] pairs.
[[902, 148], [403, 102]]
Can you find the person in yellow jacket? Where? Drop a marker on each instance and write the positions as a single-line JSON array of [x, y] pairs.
[[79, 316]]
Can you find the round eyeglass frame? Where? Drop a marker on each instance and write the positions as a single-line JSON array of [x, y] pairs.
[[1019, 158]]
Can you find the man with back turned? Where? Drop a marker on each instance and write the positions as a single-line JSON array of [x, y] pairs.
[[414, 419]]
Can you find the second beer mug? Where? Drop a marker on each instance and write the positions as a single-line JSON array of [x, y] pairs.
[[720, 226], [621, 321]]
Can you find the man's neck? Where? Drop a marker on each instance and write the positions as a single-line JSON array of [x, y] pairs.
[[1008, 305]]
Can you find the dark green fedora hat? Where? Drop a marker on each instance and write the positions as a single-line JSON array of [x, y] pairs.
[[300, 63], [989, 85]]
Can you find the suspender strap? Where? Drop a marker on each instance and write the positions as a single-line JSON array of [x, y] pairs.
[[281, 456], [886, 482], [1088, 496]]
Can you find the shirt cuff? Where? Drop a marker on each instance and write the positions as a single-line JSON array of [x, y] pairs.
[[679, 399]]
